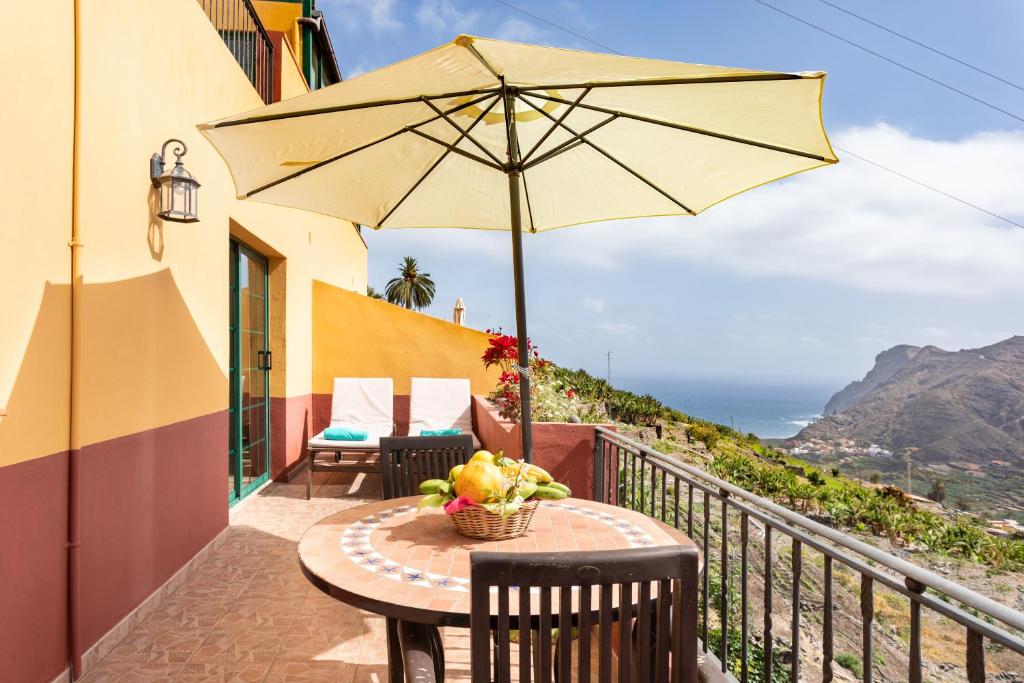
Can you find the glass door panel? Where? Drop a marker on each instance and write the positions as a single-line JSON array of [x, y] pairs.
[[249, 447]]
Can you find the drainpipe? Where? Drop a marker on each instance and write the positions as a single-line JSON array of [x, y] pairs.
[[327, 58], [74, 441], [307, 43]]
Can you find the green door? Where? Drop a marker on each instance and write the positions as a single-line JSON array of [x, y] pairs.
[[249, 412]]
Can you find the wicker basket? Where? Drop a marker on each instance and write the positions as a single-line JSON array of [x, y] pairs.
[[477, 522]]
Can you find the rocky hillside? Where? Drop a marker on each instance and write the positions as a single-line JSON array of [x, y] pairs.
[[887, 364], [950, 406]]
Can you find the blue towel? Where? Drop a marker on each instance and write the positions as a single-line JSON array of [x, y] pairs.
[[345, 434], [440, 432]]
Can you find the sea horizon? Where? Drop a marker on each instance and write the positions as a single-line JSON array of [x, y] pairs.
[[768, 409]]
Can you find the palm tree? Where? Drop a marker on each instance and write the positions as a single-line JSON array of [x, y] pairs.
[[372, 292], [413, 289]]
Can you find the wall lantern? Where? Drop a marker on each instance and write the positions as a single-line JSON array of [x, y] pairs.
[[179, 191]]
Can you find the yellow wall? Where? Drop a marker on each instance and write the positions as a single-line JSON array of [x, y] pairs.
[[154, 295], [356, 336], [35, 226], [281, 17]]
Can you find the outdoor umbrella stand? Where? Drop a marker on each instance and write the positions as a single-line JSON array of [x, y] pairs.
[[650, 132]]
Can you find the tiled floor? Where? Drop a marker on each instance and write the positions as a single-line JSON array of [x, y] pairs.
[[248, 614]]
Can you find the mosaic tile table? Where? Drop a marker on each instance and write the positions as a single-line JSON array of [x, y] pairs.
[[385, 558]]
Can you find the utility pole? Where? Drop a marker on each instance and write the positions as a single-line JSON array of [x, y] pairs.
[[609, 367]]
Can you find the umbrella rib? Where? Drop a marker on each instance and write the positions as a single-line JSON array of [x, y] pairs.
[[617, 162], [693, 80], [436, 163], [348, 107], [453, 148], [463, 134], [529, 208], [339, 157], [554, 126], [688, 129], [572, 143]]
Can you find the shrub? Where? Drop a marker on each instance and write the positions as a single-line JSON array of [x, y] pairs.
[[705, 432], [851, 663]]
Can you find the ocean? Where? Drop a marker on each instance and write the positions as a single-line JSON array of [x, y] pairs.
[[769, 410]]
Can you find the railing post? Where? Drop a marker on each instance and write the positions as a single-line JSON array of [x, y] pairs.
[[724, 654], [915, 673], [975, 657], [599, 467]]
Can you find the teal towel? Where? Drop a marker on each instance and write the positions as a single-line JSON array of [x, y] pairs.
[[440, 432], [345, 434]]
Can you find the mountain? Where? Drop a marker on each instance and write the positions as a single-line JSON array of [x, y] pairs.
[[887, 364], [963, 406]]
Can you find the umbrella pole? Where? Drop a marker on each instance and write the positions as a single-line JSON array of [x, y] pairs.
[[524, 351]]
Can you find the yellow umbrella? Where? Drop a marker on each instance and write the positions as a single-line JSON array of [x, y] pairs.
[[493, 135]]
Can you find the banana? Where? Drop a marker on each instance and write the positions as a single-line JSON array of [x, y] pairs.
[[431, 486], [538, 475], [547, 493], [561, 487], [527, 489]]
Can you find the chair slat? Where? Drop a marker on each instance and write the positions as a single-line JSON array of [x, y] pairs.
[[625, 629], [604, 622], [501, 637], [583, 665], [643, 627], [525, 633], [544, 637], [564, 663], [663, 634]]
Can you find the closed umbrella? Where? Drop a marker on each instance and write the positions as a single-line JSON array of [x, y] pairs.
[[459, 315], [493, 135]]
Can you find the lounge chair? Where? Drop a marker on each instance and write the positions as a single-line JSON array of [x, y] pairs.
[[440, 404], [365, 404]]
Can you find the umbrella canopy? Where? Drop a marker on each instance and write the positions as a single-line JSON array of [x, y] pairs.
[[488, 134]]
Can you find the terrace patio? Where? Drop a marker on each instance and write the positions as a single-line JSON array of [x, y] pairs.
[[245, 612]]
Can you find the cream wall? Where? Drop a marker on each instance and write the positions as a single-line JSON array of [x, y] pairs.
[[155, 295], [35, 226]]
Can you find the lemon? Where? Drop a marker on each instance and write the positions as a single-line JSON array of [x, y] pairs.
[[479, 481], [483, 456]]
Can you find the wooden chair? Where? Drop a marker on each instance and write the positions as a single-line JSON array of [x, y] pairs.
[[665, 626], [405, 461], [659, 645]]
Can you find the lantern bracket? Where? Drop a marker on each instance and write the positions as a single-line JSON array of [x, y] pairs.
[[156, 162]]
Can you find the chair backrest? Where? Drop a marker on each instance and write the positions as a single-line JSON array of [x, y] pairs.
[[440, 403], [548, 589], [406, 461], [363, 402]]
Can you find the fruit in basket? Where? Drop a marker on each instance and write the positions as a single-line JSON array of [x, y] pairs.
[[550, 493], [480, 481], [493, 482], [483, 456]]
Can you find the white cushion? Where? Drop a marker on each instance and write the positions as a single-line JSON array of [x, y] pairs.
[[360, 403], [441, 403]]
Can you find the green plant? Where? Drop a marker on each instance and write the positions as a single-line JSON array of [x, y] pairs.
[[704, 432], [411, 289], [850, 662], [373, 293]]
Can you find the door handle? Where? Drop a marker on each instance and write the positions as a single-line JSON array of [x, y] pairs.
[[264, 358]]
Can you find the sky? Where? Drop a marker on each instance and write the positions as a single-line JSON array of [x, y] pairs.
[[802, 280]]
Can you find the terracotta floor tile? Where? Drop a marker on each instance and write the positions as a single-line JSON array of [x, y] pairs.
[[131, 672], [338, 672], [158, 646], [225, 673]]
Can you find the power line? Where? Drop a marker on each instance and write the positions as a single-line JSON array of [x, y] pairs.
[[891, 61], [927, 186], [924, 45], [554, 25], [844, 151]]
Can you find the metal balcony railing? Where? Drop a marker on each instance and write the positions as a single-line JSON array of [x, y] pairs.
[[632, 475], [238, 24]]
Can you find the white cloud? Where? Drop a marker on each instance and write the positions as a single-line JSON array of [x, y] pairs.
[[443, 15], [851, 224], [594, 304], [355, 15], [519, 30]]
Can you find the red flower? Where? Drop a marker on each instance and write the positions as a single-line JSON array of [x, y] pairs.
[[570, 394]]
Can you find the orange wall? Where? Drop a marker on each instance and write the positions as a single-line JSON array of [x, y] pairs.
[[356, 336]]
